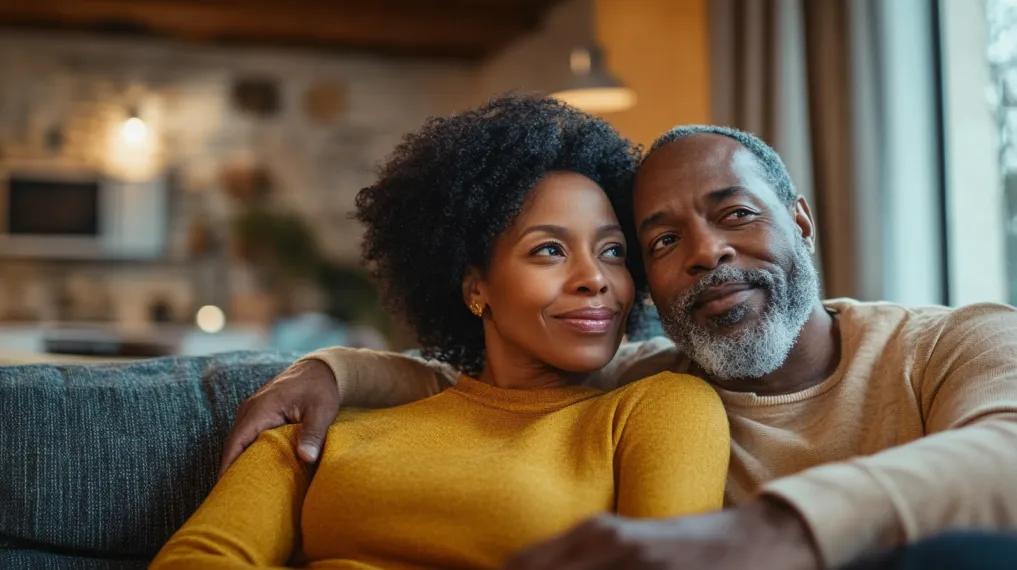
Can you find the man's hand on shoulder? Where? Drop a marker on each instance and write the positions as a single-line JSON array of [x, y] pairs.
[[764, 534], [305, 393]]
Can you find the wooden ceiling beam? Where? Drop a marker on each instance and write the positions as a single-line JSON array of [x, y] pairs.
[[467, 28]]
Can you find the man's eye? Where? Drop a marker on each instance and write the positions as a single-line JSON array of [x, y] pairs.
[[662, 242], [548, 250], [740, 214]]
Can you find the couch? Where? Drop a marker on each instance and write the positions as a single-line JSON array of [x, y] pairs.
[[101, 463]]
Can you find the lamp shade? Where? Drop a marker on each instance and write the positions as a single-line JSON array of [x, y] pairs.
[[591, 88]]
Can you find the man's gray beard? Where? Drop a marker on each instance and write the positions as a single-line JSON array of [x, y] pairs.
[[760, 349]]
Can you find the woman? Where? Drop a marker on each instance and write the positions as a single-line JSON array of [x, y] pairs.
[[492, 232]]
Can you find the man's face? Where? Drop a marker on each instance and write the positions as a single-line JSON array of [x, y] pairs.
[[728, 263]]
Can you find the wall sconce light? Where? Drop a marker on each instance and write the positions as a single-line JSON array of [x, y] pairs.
[[134, 147], [591, 88], [134, 131]]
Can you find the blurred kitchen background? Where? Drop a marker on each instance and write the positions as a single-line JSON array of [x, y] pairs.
[[176, 176]]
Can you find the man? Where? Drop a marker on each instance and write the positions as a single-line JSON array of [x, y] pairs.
[[855, 426]]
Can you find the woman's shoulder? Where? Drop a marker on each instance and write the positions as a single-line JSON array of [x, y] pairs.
[[669, 399], [275, 446], [272, 441], [670, 385], [670, 405], [352, 420]]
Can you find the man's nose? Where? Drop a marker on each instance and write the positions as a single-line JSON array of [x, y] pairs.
[[707, 251]]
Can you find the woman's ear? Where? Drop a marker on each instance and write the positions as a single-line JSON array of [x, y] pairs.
[[474, 295]]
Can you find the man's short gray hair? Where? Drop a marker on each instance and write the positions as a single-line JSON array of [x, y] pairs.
[[773, 167]]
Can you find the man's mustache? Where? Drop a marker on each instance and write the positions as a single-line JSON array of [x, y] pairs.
[[722, 276]]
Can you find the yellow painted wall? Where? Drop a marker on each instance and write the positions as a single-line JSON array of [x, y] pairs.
[[659, 48]]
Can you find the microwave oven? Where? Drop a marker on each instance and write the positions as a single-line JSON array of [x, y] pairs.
[[65, 213]]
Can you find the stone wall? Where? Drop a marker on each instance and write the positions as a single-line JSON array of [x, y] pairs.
[[316, 126]]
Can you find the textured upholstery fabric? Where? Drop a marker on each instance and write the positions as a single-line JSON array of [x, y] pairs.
[[108, 460], [43, 560]]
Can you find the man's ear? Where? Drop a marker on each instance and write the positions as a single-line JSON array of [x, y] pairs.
[[801, 214], [474, 291]]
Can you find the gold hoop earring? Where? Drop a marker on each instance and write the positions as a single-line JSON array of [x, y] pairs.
[[477, 309]]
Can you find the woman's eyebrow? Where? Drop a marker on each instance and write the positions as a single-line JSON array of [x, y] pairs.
[[563, 232], [609, 228], [557, 231]]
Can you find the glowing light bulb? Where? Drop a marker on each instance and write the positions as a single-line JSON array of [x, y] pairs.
[[210, 319], [134, 131]]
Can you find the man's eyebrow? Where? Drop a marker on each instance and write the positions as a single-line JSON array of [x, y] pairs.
[[650, 220], [714, 197], [717, 196]]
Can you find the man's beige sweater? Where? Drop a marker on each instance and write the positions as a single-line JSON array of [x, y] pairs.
[[914, 433]]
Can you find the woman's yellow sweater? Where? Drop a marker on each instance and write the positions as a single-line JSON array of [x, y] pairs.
[[463, 479]]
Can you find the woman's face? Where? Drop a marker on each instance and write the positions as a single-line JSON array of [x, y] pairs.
[[557, 292]]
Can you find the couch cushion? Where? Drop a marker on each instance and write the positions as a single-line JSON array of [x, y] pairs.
[[112, 458], [29, 559]]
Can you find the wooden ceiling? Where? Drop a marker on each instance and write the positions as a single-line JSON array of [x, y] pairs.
[[454, 28]]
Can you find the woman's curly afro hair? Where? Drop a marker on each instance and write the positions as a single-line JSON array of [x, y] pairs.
[[450, 189]]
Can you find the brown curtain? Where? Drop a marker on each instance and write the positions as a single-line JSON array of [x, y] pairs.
[[786, 71]]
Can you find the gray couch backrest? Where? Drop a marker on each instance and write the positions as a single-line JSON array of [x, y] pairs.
[[109, 460]]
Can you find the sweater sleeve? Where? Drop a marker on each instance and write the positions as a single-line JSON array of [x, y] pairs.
[[961, 474], [251, 517], [672, 453], [375, 379]]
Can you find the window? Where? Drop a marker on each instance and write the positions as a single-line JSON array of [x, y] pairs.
[[1002, 57], [975, 216]]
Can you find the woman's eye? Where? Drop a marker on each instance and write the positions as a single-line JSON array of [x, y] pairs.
[[616, 250], [548, 250], [662, 242]]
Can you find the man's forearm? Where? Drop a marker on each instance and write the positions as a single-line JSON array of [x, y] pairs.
[[375, 379], [957, 478]]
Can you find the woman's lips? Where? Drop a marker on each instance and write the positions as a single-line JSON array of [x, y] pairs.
[[589, 321]]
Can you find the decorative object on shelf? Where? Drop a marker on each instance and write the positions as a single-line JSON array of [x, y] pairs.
[[279, 245], [200, 239], [284, 253], [325, 102], [247, 184], [257, 96], [55, 139]]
